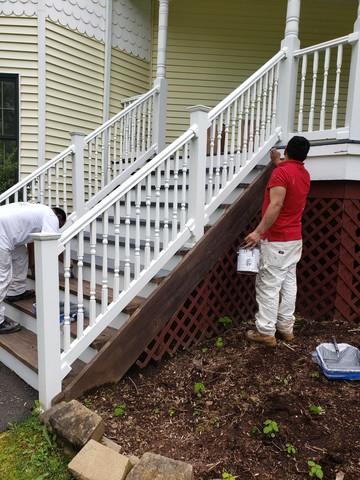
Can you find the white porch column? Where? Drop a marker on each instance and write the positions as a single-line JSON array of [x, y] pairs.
[[159, 126], [288, 70], [353, 102]]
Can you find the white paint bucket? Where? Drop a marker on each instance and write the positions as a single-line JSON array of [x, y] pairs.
[[248, 260]]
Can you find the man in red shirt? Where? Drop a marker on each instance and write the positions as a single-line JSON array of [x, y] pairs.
[[280, 238]]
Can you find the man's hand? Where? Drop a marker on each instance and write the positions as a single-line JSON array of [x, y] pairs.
[[252, 239], [275, 156]]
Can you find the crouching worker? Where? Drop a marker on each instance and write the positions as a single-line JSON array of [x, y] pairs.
[[17, 222], [279, 234]]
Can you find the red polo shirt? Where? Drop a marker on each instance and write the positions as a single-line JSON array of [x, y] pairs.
[[292, 175]]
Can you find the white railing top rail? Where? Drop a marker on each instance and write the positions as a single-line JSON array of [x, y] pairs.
[[351, 38], [80, 224], [115, 118], [224, 104], [25, 181]]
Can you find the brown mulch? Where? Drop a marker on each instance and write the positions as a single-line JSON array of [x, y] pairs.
[[221, 429]]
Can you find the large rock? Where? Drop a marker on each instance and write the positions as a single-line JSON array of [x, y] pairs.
[[156, 467], [75, 423], [96, 462]]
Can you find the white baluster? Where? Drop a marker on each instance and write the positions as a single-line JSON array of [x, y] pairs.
[[24, 194], [80, 286], [184, 184], [302, 93], [41, 189], [148, 222], [258, 87], [275, 97], [90, 167], [313, 90], [115, 152], [57, 184], [252, 118], [269, 106], [225, 165], [138, 132], [174, 225], [233, 139], [337, 87], [105, 273], [116, 288], [166, 204], [143, 128], [67, 322], [104, 159], [127, 267], [211, 166], [150, 105], [96, 164], [218, 153], [157, 213], [239, 134], [127, 139], [324, 89], [265, 83], [121, 144], [49, 184], [92, 272], [77, 139], [65, 204], [246, 127], [110, 165], [137, 229]]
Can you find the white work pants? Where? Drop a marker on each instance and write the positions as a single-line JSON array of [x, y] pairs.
[[276, 286], [13, 273]]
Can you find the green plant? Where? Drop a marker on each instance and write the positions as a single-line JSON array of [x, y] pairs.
[[171, 412], [120, 410], [228, 476], [315, 469], [219, 342], [199, 389], [224, 321], [316, 409], [284, 380], [270, 428], [290, 449], [204, 349], [314, 374], [87, 402]]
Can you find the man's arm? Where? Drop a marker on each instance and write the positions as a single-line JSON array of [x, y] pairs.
[[277, 197]]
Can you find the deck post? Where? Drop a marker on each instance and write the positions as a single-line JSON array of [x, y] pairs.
[[288, 70], [353, 101], [159, 119], [199, 120], [77, 139], [47, 316]]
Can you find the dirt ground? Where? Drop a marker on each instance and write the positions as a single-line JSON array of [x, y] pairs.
[[220, 427]]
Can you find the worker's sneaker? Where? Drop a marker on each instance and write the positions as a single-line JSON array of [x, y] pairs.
[[21, 296], [258, 337], [287, 336], [8, 326]]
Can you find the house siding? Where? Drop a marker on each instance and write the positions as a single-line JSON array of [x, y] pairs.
[[18, 54], [213, 47], [129, 76], [74, 86]]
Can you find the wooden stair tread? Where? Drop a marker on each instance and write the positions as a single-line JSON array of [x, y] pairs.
[[22, 345]]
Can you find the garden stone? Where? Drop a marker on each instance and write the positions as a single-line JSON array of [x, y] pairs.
[[97, 462], [75, 423], [157, 467], [110, 444]]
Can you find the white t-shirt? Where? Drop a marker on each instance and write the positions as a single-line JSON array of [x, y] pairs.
[[19, 220]]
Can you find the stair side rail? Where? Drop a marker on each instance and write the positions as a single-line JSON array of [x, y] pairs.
[[121, 144], [242, 127], [323, 88]]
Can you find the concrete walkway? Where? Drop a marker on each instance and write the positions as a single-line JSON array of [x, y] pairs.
[[16, 398]]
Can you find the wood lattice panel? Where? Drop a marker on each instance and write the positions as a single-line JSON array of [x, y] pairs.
[[328, 275]]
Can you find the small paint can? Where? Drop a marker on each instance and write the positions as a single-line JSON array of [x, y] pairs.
[[248, 260]]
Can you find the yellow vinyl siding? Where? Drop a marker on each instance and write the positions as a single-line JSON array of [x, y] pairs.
[[214, 46], [75, 85], [129, 76], [18, 54]]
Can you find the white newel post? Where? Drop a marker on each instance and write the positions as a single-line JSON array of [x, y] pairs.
[[159, 114], [288, 71], [197, 169], [353, 102], [77, 139], [47, 316]]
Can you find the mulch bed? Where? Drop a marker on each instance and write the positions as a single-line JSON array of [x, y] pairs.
[[221, 429]]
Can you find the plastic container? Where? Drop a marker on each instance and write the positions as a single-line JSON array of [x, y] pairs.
[[341, 365], [248, 260]]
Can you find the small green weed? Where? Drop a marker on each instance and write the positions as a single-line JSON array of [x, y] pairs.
[[87, 402], [284, 380], [219, 342], [204, 350], [316, 409], [171, 412], [271, 428], [228, 476], [314, 374], [120, 410], [290, 449], [224, 321], [315, 469], [199, 389]]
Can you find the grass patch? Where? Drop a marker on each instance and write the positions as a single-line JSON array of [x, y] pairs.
[[29, 452]]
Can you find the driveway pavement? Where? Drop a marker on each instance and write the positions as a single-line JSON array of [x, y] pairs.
[[16, 398]]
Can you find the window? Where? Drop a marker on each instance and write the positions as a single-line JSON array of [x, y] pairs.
[[9, 130]]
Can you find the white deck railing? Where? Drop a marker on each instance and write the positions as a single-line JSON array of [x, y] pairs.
[[78, 173]]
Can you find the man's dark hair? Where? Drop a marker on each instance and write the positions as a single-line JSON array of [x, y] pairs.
[[297, 148], [59, 212]]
